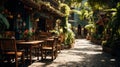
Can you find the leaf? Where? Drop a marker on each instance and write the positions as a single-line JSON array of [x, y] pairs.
[[4, 21]]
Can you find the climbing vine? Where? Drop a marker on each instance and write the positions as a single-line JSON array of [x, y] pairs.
[[67, 32]]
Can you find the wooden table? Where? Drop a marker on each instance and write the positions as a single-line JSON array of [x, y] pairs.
[[50, 39], [29, 45]]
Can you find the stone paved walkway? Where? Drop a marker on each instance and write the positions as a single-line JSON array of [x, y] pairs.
[[84, 54]]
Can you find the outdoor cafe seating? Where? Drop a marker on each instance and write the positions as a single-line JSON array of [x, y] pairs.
[[9, 51], [49, 49], [39, 46]]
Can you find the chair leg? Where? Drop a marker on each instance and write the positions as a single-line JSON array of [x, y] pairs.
[[23, 59], [53, 55], [41, 54], [56, 54], [16, 61], [45, 54], [37, 53]]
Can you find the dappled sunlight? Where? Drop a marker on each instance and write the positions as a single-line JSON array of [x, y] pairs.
[[37, 64], [84, 54], [113, 60], [91, 52], [60, 33]]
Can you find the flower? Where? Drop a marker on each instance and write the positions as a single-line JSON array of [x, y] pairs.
[[27, 34]]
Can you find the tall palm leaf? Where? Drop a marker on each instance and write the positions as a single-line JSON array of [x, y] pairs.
[[4, 24]]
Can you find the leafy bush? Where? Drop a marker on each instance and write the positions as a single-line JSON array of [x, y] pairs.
[[69, 37]]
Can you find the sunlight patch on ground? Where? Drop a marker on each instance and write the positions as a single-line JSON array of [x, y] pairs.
[[72, 56], [37, 64], [92, 52], [112, 59], [84, 54]]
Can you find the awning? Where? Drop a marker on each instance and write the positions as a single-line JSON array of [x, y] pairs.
[[38, 14], [43, 6]]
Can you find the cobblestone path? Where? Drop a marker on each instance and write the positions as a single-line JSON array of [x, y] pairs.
[[84, 54]]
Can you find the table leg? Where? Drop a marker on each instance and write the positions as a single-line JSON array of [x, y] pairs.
[[38, 53], [30, 54]]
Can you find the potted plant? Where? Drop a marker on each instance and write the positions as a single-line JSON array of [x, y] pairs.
[[27, 34]]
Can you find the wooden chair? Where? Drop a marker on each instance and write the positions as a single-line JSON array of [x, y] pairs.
[[49, 49], [9, 34], [59, 46], [37, 49], [9, 51]]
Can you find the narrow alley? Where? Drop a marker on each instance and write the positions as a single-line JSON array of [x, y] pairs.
[[87, 32], [84, 54]]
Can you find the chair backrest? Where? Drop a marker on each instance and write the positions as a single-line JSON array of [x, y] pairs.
[[8, 44], [42, 37], [56, 40], [50, 43], [9, 34]]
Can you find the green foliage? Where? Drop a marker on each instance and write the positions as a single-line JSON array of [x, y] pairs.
[[115, 24], [56, 32], [85, 12], [27, 34], [69, 37], [4, 24], [71, 2], [67, 32], [102, 4], [96, 36], [91, 28], [65, 9], [114, 27]]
